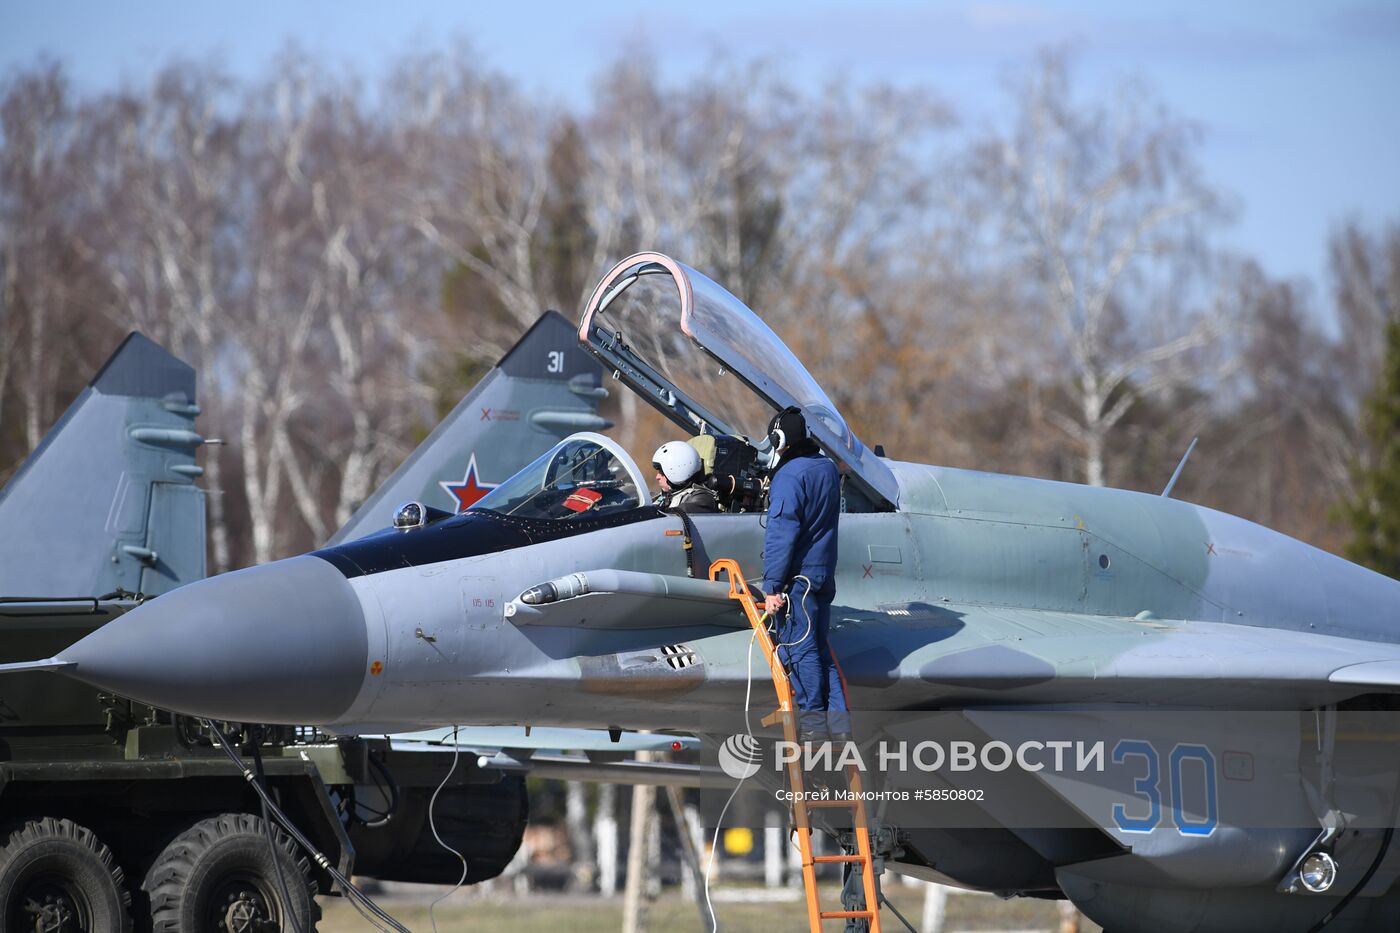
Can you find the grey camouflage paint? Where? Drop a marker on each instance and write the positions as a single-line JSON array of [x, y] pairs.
[[981, 591], [108, 500]]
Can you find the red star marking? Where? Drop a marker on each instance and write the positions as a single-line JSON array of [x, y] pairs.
[[470, 490]]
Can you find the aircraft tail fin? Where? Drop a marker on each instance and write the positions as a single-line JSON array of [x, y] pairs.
[[544, 389], [108, 500]]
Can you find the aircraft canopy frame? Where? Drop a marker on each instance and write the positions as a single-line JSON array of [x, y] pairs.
[[730, 333], [584, 473]]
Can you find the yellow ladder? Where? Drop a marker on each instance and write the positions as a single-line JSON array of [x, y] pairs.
[[786, 713]]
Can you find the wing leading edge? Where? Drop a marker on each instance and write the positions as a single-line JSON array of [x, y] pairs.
[[1012, 655], [923, 654]]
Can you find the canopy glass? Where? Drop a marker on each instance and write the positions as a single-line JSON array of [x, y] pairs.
[[642, 342], [585, 474]]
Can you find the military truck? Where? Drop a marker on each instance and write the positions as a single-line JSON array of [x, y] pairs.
[[116, 812], [115, 815]]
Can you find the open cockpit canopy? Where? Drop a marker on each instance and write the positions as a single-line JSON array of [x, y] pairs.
[[645, 321]]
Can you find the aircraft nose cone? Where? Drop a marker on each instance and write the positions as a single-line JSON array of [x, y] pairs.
[[281, 643]]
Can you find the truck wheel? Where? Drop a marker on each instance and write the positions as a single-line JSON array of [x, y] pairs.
[[57, 877], [218, 877]]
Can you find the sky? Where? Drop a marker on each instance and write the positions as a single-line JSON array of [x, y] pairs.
[[1300, 102]]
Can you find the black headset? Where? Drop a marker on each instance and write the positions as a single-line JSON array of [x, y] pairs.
[[787, 427]]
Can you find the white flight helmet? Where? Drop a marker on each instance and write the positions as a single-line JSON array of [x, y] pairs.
[[678, 461]]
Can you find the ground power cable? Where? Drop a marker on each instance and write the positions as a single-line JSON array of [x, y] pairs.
[[270, 833], [375, 916], [886, 902], [1375, 864], [362, 902], [748, 730], [432, 824], [719, 823]]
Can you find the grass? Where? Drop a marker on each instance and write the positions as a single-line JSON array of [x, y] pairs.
[[556, 913]]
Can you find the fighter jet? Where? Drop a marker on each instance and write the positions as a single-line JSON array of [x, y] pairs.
[[1188, 683], [544, 389], [107, 502], [104, 509], [106, 513]]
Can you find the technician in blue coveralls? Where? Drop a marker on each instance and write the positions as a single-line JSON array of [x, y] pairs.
[[799, 559]]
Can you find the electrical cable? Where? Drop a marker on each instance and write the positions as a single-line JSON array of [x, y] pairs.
[[353, 894], [456, 753], [886, 902], [748, 729], [1375, 864], [358, 899], [389, 790], [272, 846], [805, 611]]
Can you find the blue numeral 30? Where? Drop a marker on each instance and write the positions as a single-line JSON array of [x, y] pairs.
[[1147, 788]]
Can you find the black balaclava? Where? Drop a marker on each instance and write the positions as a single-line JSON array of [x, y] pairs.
[[794, 427]]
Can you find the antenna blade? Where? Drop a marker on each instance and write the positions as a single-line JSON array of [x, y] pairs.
[[1171, 483]]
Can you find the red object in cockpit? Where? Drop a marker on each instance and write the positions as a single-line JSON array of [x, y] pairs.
[[581, 500]]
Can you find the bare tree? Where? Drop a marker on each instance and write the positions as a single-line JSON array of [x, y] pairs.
[[798, 204], [1106, 207], [478, 181], [376, 297], [42, 276], [1282, 396], [323, 255], [164, 218], [328, 335], [1365, 270]]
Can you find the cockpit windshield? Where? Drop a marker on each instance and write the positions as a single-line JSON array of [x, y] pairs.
[[748, 372], [583, 476]]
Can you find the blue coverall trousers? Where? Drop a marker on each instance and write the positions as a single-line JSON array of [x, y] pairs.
[[802, 638]]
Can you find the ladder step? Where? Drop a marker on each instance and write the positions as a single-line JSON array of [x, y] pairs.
[[738, 590]]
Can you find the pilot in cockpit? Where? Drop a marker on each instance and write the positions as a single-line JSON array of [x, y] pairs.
[[681, 473]]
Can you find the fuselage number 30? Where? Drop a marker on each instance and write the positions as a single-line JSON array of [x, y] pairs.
[[1190, 773]]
